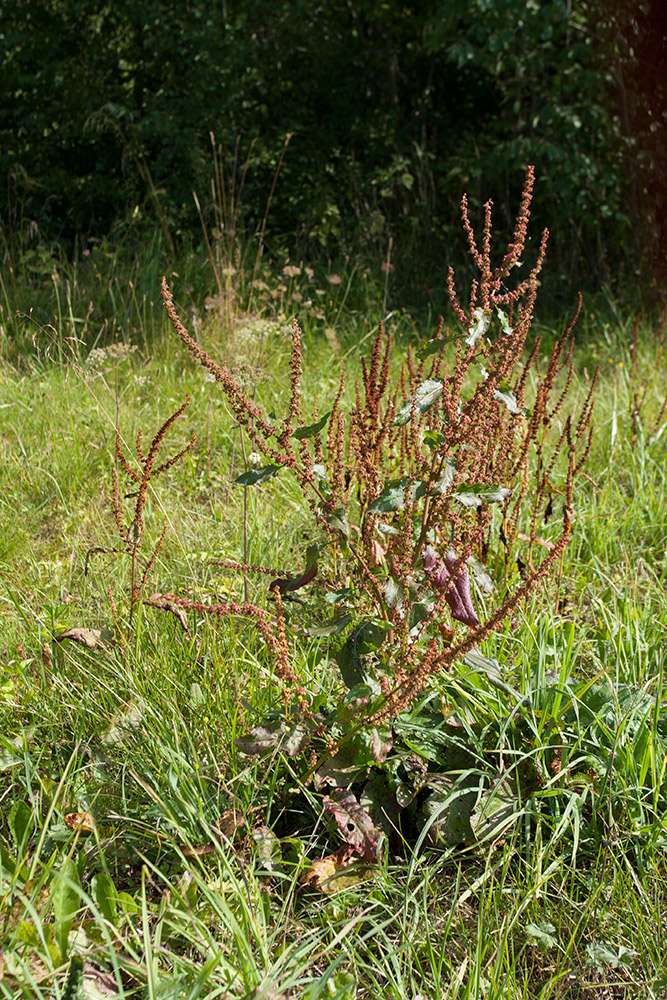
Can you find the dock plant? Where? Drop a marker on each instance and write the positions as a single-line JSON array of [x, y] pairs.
[[432, 472]]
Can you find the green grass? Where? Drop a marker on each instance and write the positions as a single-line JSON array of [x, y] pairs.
[[185, 880]]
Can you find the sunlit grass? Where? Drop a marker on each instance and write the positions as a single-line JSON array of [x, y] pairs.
[[183, 877]]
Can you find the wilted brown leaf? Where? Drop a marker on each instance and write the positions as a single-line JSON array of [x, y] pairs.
[[167, 604], [198, 850], [354, 823], [80, 821], [335, 871], [97, 985], [231, 826], [91, 638]]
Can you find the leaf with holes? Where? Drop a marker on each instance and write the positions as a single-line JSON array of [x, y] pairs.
[[354, 823]]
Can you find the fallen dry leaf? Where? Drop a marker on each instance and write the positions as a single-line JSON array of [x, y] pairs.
[[97, 984], [198, 851], [230, 826], [335, 871], [80, 821]]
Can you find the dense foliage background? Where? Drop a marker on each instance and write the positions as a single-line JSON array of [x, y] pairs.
[[393, 109]]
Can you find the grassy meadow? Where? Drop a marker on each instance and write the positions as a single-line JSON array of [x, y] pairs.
[[143, 853]]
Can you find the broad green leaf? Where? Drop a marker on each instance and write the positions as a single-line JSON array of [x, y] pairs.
[[359, 691], [338, 521], [332, 627], [394, 593], [504, 322], [472, 495], [301, 433], [320, 473], [483, 664], [387, 529], [433, 439], [393, 496], [433, 346], [254, 476], [334, 596], [128, 904], [20, 822], [362, 640], [419, 612], [543, 933], [505, 394], [448, 808], [444, 483], [65, 900], [497, 809], [104, 893], [426, 395], [601, 954]]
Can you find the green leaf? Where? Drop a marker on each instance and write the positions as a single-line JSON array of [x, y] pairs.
[[433, 346], [482, 664], [254, 476], [505, 394], [482, 319], [387, 529], [543, 933], [334, 596], [393, 496], [104, 893], [394, 593], [497, 809], [301, 433], [420, 612], [362, 640], [447, 810], [444, 483], [472, 495], [426, 395], [338, 521], [433, 438], [21, 823], [332, 627], [504, 322], [601, 954], [65, 900]]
